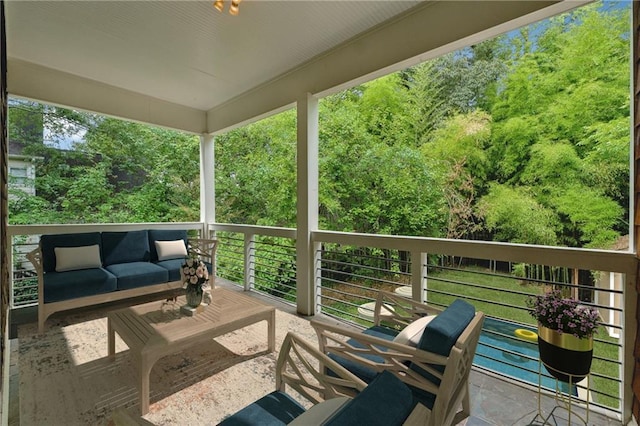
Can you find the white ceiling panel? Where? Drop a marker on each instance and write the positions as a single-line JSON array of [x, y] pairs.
[[185, 52]]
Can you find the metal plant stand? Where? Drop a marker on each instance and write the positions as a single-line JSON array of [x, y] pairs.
[[564, 402]]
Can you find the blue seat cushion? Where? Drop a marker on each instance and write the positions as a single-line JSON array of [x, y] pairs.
[[438, 337], [174, 266], [164, 235], [138, 274], [365, 373], [385, 401], [277, 408], [60, 286], [48, 243], [123, 247], [382, 332]]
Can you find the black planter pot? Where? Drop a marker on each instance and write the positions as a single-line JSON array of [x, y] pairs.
[[565, 357]]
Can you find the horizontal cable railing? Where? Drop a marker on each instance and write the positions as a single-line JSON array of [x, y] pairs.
[[350, 275], [260, 258], [229, 256], [351, 268]]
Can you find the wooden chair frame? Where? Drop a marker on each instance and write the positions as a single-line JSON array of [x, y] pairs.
[[453, 389]]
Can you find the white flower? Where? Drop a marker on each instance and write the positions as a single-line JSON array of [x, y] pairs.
[[193, 279]]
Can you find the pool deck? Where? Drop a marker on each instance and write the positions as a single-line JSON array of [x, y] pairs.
[[497, 402]]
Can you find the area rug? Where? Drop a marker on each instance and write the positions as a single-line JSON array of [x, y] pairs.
[[66, 377]]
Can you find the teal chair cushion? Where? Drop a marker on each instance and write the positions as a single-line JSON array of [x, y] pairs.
[[275, 409], [362, 372], [125, 247], [68, 285], [439, 337], [138, 274], [386, 401]]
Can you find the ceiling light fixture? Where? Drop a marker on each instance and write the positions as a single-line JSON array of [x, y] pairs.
[[233, 9]]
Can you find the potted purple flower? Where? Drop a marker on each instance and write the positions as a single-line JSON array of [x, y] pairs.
[[565, 334]]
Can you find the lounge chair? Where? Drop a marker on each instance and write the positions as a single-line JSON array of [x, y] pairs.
[[436, 369], [386, 401]]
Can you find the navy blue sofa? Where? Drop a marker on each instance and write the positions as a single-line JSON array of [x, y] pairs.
[[108, 266]]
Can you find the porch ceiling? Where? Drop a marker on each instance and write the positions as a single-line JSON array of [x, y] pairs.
[[182, 64]]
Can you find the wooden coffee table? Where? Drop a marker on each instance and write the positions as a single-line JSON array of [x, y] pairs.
[[152, 334]]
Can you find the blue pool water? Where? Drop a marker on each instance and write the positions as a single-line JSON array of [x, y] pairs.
[[500, 351]]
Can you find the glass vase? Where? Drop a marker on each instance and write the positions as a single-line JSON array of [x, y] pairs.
[[194, 295]]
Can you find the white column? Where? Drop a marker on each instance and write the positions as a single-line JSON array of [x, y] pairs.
[[207, 182], [307, 211]]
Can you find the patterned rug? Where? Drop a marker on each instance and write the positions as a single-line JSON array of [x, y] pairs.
[[67, 379]]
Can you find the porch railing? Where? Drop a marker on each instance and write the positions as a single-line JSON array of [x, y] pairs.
[[497, 279], [350, 268], [260, 258]]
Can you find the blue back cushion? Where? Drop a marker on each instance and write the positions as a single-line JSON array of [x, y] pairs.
[[48, 243], [439, 337], [443, 331], [125, 247], [164, 235], [385, 401]]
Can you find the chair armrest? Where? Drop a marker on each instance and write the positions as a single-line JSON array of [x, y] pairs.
[[35, 257], [380, 354], [202, 247], [302, 367], [404, 310]]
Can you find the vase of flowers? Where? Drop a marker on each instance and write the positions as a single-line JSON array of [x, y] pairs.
[[565, 334], [195, 277]]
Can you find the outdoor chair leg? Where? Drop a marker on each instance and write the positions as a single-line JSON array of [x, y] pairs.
[[466, 401]]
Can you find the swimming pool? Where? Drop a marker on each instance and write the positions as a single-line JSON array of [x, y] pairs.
[[500, 351]]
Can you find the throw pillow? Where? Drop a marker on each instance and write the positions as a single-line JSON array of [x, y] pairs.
[[171, 249], [412, 333], [74, 258]]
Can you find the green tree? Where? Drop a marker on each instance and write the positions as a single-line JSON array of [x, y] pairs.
[[515, 216], [256, 173]]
